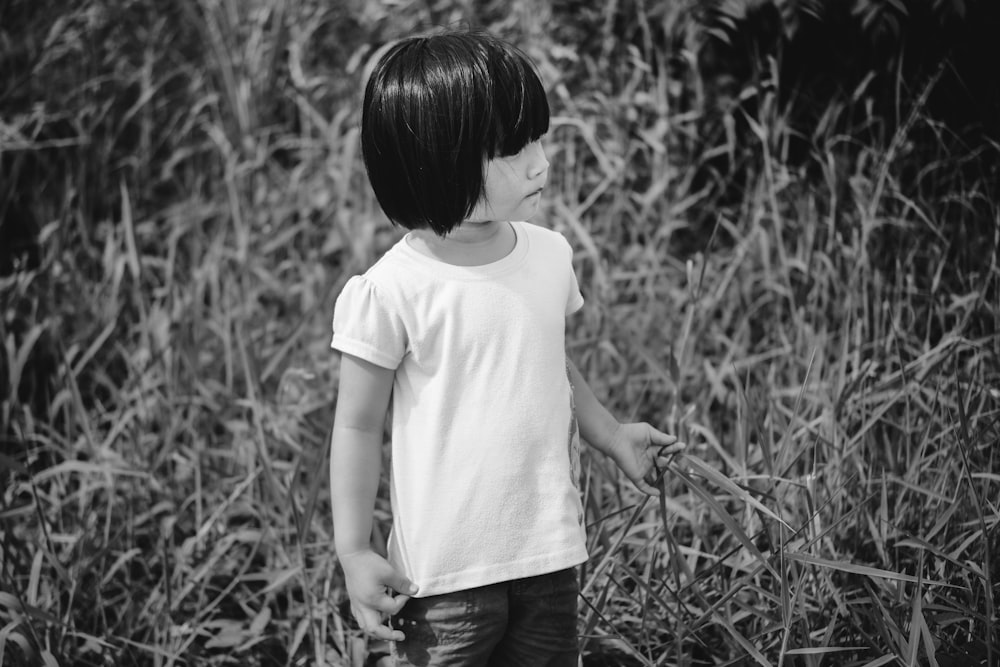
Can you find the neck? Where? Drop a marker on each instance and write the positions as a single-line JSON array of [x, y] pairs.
[[469, 244], [468, 234]]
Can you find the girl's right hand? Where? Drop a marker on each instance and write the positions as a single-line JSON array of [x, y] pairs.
[[371, 584]]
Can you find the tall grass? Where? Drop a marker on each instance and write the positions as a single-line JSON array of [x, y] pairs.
[[814, 312]]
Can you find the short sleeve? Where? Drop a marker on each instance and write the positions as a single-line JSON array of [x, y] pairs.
[[366, 326], [574, 300]]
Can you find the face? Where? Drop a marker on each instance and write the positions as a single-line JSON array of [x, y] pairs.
[[513, 186]]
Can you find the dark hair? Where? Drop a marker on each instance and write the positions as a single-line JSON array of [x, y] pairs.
[[435, 110]]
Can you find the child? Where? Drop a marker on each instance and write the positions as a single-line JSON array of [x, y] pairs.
[[462, 325]]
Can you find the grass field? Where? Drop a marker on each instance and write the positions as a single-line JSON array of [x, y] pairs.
[[812, 307]]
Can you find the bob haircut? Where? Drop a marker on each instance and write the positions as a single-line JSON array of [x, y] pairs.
[[435, 110]]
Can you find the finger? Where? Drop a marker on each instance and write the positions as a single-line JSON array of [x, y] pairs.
[[673, 448], [387, 633], [368, 618], [658, 437], [650, 484], [388, 603], [664, 465], [401, 584], [370, 622], [647, 488], [398, 603], [665, 458]]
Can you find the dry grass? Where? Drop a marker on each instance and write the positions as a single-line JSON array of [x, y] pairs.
[[821, 328]]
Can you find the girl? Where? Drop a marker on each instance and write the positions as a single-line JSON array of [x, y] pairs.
[[461, 324]]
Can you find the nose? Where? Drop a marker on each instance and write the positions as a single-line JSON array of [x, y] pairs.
[[537, 162]]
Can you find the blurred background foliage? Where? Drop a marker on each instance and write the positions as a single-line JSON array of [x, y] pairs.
[[786, 223]]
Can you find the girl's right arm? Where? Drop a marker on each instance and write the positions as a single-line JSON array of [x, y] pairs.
[[355, 466]]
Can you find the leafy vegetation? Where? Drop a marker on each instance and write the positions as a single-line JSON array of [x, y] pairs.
[[790, 259]]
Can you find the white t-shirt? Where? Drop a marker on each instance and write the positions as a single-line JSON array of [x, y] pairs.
[[485, 449]]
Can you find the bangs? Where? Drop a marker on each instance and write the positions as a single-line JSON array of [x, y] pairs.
[[521, 110]]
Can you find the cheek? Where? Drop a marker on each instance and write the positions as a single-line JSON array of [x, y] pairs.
[[493, 189], [500, 191], [501, 173]]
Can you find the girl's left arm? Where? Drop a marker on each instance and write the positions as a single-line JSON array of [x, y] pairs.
[[640, 450]]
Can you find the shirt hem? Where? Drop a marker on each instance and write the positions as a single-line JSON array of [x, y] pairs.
[[496, 574]]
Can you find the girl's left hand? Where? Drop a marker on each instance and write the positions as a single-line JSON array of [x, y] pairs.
[[643, 453]]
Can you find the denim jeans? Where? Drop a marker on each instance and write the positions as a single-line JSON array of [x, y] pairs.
[[521, 623]]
